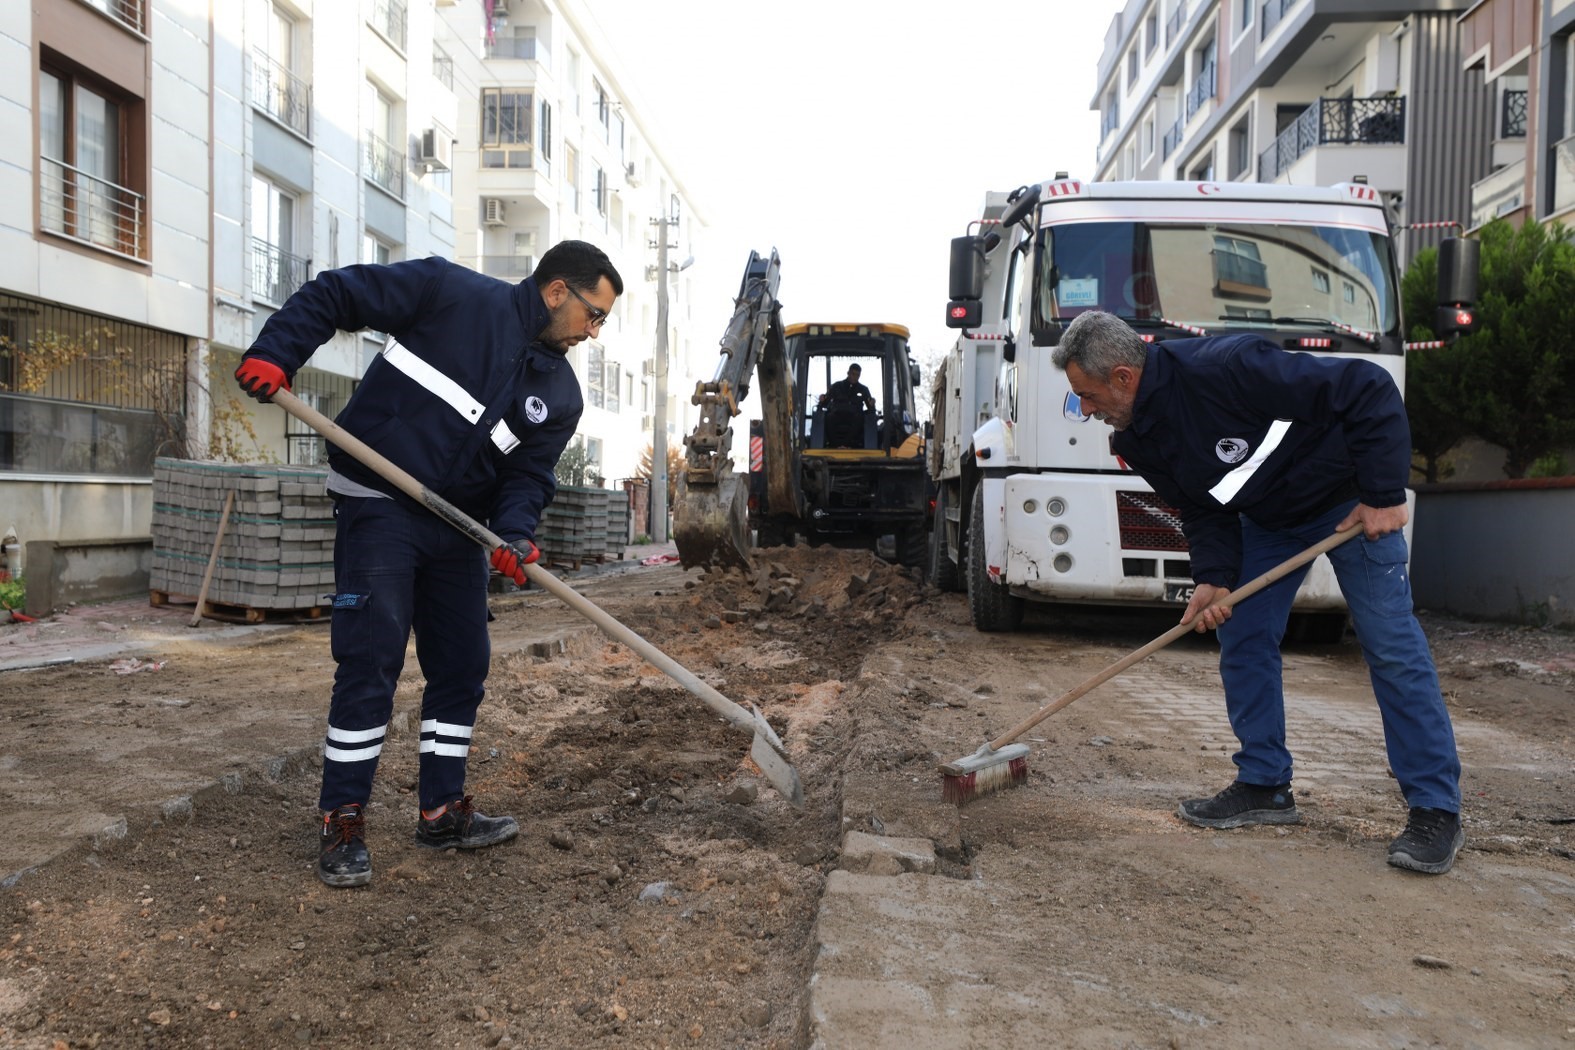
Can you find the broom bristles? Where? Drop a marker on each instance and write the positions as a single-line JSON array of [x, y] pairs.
[[996, 776]]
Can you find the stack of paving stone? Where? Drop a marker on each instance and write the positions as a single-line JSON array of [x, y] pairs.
[[278, 548], [617, 522], [573, 528]]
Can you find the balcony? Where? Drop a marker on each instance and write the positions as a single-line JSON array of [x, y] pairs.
[[1499, 194], [1273, 13], [1109, 120], [385, 166], [1174, 22], [388, 18], [1172, 138], [1334, 121], [127, 12], [281, 94], [88, 209], [276, 273], [1203, 87], [519, 48]]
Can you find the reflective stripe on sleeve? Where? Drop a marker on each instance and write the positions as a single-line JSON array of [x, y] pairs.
[[504, 438], [360, 754], [433, 380], [1226, 488]]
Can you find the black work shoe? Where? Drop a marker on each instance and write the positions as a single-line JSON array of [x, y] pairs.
[[1429, 842], [461, 827], [342, 859], [1242, 804]]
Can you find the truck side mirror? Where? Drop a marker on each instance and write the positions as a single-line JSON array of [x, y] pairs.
[[915, 376], [966, 283], [1459, 266]]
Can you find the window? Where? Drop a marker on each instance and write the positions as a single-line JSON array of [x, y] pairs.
[[595, 372], [600, 191], [571, 87], [1348, 291], [1147, 137], [385, 164], [1239, 269], [612, 389], [544, 138], [506, 128], [1133, 62], [1244, 14], [277, 271], [1249, 313], [571, 175], [1241, 149], [1320, 280], [376, 252], [85, 190], [1150, 32], [277, 89], [603, 110]]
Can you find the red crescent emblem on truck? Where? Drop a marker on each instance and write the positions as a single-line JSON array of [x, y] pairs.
[[1208, 189]]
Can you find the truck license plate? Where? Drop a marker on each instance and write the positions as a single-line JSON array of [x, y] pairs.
[[1179, 592]]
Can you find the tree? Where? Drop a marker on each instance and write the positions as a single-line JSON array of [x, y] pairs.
[[1511, 382], [675, 464]]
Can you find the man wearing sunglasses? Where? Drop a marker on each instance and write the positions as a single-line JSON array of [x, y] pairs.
[[472, 395]]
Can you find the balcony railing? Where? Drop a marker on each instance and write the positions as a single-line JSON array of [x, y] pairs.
[[385, 165], [1273, 12], [1172, 138], [127, 12], [508, 267], [1173, 23], [1512, 115], [520, 47], [388, 18], [89, 209], [276, 273], [281, 94], [1109, 120], [1203, 87], [1343, 121], [443, 67]]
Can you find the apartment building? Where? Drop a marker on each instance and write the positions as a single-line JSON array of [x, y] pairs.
[[1526, 51], [177, 169], [1305, 92]]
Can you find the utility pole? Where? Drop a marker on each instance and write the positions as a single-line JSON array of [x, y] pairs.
[[659, 438]]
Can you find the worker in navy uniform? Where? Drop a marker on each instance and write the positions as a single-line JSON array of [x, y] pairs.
[[473, 396], [1265, 452], [845, 402]]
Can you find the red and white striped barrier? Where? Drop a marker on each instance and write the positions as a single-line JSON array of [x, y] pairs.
[[757, 454]]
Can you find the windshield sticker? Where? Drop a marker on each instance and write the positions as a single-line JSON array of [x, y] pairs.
[[1077, 291]]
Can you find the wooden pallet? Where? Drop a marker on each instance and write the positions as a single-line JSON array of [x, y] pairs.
[[231, 612]]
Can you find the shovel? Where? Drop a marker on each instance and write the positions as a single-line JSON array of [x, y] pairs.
[[767, 750]]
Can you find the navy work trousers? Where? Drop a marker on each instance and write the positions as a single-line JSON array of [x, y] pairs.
[[399, 568], [1374, 579]]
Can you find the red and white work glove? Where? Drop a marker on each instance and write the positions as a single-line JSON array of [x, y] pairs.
[[511, 559], [261, 379]]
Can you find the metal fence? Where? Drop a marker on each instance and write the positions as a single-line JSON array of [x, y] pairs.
[[127, 12], [1344, 121], [385, 165], [1203, 87], [276, 273], [86, 208], [1512, 115], [388, 18], [1273, 12]]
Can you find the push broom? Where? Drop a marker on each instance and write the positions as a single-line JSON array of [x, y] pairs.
[[1001, 764], [767, 750]]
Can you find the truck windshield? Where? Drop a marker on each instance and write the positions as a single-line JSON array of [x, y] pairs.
[[1217, 276]]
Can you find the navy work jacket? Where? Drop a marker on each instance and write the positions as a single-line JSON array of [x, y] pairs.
[[1233, 425], [462, 397]]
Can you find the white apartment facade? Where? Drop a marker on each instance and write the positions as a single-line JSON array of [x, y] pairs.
[[176, 169], [1305, 92]]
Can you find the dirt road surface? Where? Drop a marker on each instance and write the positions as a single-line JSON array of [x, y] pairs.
[[158, 886]]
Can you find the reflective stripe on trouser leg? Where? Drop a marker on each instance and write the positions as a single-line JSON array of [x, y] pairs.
[[453, 649], [374, 572], [1250, 666], [1418, 736]]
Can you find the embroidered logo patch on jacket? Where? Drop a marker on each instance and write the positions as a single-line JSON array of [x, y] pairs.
[[1231, 450], [535, 409]]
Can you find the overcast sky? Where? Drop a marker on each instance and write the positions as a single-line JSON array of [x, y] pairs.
[[857, 137]]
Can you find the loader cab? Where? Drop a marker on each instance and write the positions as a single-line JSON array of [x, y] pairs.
[[832, 415]]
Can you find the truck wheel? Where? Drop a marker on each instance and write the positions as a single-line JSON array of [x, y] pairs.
[[994, 607], [943, 571]]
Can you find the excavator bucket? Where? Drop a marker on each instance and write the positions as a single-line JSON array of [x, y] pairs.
[[711, 523]]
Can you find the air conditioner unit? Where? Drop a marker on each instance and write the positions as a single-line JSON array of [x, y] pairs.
[[629, 174], [492, 211], [437, 149]]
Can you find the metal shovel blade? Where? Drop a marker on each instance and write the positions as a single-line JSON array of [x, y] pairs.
[[769, 754]]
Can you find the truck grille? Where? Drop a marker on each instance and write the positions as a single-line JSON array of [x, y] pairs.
[[1148, 523]]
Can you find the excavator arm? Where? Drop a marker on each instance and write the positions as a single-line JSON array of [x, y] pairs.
[[711, 505]]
